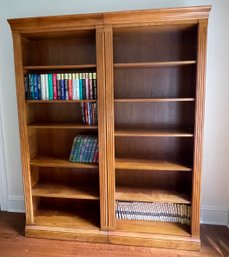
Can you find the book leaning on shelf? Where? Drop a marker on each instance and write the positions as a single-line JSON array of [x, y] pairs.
[[61, 86], [85, 149]]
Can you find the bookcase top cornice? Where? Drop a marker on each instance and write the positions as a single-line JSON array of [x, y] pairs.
[[118, 19]]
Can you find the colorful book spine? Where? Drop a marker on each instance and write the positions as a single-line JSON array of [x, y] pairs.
[[94, 82], [62, 87], [66, 86], [54, 82], [90, 85], [27, 92], [81, 86], [70, 86], [50, 86], [58, 83], [43, 90]]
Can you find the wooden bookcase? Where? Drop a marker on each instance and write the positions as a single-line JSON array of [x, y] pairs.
[[150, 69]]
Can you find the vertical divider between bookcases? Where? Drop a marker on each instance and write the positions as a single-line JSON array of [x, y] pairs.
[[110, 126], [25, 151], [199, 125], [101, 97]]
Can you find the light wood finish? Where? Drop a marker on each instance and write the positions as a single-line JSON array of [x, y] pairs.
[[214, 242], [145, 100], [25, 153], [59, 67], [59, 101], [150, 67], [153, 64], [64, 191], [41, 161], [151, 133], [102, 119], [62, 126], [117, 19], [199, 126], [150, 195], [153, 227], [133, 164], [110, 127]]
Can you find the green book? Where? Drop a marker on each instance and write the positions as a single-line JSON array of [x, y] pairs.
[[50, 86], [73, 149], [77, 148]]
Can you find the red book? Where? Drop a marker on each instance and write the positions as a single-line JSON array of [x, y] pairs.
[[54, 82], [70, 86]]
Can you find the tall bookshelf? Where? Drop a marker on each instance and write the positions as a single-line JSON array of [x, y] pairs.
[[150, 69]]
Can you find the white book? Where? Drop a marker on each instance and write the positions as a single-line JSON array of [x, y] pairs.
[[77, 81], [43, 91], [46, 87], [74, 86]]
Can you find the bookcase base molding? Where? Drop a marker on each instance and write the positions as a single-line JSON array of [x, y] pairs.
[[111, 111], [119, 238]]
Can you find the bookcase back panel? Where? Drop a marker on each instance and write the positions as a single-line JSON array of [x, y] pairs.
[[173, 115], [55, 142], [69, 177], [156, 43], [168, 180], [48, 113], [167, 82], [67, 213], [161, 149], [73, 48]]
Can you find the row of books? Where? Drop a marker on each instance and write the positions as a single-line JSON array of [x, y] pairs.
[[167, 212], [61, 86], [85, 149], [89, 113]]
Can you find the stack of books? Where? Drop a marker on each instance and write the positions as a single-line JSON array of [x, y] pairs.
[[61, 86], [168, 212], [85, 149], [89, 113]]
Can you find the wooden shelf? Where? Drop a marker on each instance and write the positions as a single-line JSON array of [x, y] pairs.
[[153, 64], [139, 164], [150, 195], [146, 100], [151, 133], [65, 191], [62, 126], [41, 161], [72, 219], [59, 67], [153, 227], [59, 101]]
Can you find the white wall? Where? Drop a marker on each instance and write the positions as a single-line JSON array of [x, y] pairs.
[[215, 181]]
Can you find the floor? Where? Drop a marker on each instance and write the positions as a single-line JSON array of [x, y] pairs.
[[215, 242]]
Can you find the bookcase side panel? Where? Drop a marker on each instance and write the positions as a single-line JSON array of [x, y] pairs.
[[25, 155], [110, 126], [100, 59], [199, 125]]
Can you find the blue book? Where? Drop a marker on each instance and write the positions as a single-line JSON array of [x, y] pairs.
[[31, 85], [62, 87], [73, 149], [80, 87], [35, 83], [39, 86]]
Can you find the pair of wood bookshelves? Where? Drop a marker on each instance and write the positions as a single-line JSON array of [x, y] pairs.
[[150, 69]]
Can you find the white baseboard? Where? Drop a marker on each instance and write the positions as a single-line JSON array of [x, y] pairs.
[[3, 175], [214, 215], [16, 204]]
